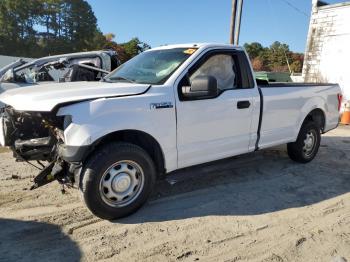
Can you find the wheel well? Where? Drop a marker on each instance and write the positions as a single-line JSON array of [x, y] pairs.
[[318, 117], [141, 139]]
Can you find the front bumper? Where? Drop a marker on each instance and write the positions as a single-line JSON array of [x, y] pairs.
[[73, 154]]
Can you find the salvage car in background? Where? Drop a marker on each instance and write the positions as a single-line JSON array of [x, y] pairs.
[[84, 66]]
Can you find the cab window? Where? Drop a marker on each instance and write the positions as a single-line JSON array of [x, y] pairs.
[[220, 66]]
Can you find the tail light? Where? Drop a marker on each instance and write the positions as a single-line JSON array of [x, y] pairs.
[[340, 98]]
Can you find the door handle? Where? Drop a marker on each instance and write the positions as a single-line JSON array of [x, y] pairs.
[[243, 104]]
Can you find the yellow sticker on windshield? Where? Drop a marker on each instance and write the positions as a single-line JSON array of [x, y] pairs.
[[190, 51]]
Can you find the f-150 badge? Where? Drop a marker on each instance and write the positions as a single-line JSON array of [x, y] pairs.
[[161, 105]]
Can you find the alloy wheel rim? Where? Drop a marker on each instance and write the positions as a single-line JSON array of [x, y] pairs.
[[121, 183]]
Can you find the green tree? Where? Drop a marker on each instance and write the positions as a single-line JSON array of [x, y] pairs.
[[70, 26], [254, 49], [42, 27], [297, 62], [134, 47], [274, 58], [278, 57], [82, 25], [17, 20], [126, 50]]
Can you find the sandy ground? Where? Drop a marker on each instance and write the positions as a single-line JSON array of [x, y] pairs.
[[256, 207]]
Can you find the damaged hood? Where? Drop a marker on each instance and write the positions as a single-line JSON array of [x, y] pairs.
[[44, 98]]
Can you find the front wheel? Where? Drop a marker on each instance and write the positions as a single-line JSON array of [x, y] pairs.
[[308, 142], [117, 180]]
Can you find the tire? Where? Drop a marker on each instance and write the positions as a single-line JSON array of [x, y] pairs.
[[117, 180], [308, 142]]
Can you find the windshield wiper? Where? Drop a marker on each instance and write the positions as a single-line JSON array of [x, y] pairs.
[[120, 78]]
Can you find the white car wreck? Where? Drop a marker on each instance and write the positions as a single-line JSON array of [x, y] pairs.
[[83, 66], [168, 108]]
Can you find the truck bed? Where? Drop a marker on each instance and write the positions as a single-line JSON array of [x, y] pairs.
[[265, 84], [286, 104]]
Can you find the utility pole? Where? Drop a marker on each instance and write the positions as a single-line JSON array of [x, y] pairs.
[[290, 70], [236, 17], [233, 22], [239, 19]]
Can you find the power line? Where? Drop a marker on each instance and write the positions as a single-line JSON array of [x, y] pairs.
[[295, 8]]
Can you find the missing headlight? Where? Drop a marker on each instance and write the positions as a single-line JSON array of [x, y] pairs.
[[67, 121]]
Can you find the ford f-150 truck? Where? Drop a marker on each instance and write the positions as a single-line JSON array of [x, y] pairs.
[[166, 109]]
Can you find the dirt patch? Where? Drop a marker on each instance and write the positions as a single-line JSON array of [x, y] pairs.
[[256, 207], [3, 150]]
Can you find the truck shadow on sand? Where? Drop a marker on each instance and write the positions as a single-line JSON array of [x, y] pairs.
[[34, 241], [252, 184]]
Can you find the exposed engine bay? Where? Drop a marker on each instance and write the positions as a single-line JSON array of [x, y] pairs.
[[35, 136]]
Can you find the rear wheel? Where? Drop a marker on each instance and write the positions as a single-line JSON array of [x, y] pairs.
[[117, 180], [308, 142]]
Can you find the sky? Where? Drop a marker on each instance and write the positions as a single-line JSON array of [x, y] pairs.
[[160, 22]]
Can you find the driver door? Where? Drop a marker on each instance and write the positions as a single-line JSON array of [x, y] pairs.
[[214, 128]]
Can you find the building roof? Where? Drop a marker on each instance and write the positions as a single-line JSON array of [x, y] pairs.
[[324, 5]]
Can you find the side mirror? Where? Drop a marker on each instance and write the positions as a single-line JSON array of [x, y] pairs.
[[201, 87]]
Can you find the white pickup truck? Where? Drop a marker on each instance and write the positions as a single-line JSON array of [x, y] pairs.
[[166, 109]]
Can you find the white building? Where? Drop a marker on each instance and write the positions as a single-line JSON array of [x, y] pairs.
[[327, 55]]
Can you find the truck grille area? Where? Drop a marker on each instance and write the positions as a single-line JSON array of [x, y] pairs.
[[30, 135]]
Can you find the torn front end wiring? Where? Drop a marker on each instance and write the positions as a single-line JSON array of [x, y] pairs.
[[35, 137]]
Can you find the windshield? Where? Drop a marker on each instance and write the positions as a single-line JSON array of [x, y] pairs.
[[151, 67]]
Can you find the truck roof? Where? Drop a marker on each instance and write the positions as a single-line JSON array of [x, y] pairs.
[[198, 45]]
